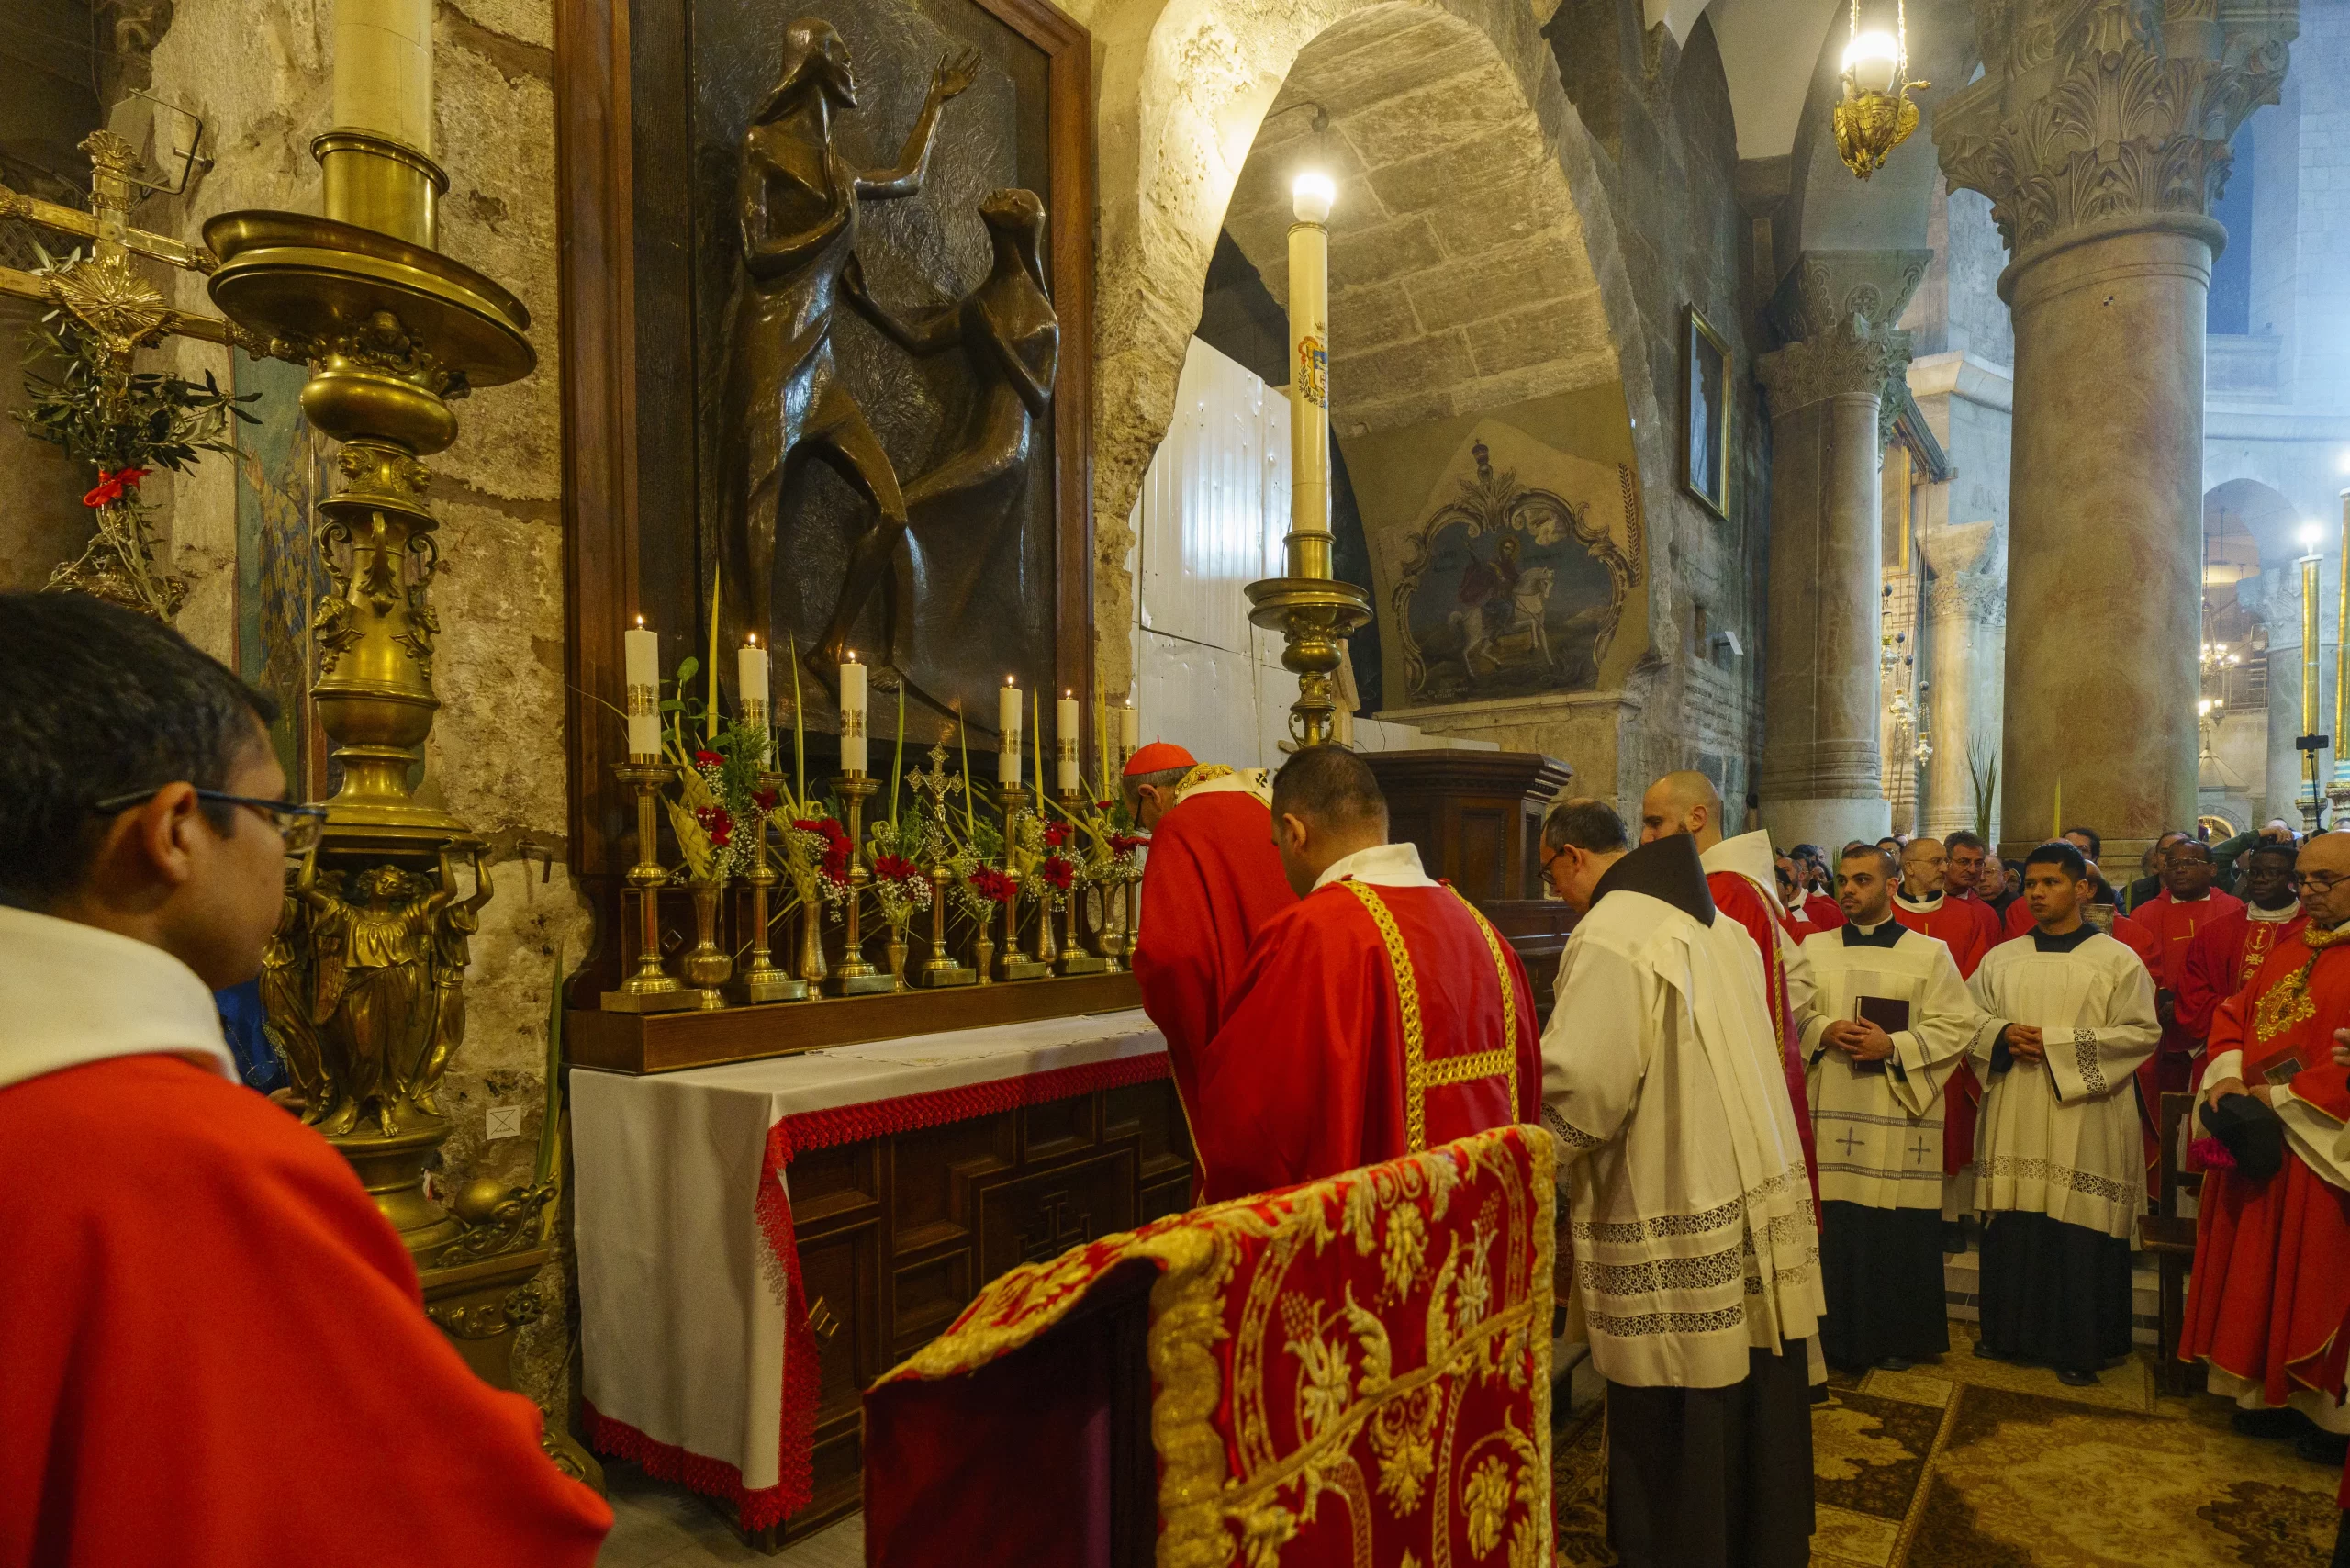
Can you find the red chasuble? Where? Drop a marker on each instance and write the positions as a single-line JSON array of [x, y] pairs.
[[2175, 926], [1212, 880], [1823, 912], [1969, 930], [1739, 897], [1953, 926], [2223, 959], [216, 1355], [1985, 916], [2271, 1282], [1371, 1023]]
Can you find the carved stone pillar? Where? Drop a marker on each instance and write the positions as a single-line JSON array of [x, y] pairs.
[[1820, 782], [1965, 625], [2099, 131]]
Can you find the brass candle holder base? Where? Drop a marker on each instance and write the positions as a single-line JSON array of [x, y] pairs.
[[953, 974], [1022, 968], [652, 989], [756, 991], [857, 976]]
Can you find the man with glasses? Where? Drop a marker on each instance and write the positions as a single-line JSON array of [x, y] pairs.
[[2271, 1286], [216, 1348], [2228, 952]]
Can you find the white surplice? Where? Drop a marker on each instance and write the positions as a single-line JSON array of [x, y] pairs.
[[1879, 1133], [2061, 1137], [1694, 1240]]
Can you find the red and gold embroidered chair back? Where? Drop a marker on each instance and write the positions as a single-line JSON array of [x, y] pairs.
[[1353, 1373]]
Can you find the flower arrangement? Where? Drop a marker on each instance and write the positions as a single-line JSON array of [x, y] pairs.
[[126, 424], [899, 885]]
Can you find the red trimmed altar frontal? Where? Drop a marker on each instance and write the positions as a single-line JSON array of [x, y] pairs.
[[758, 1241]]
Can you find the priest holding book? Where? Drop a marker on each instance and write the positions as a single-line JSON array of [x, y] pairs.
[[1890, 1023]]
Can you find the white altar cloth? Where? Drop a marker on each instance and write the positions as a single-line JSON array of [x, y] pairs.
[[682, 1297]]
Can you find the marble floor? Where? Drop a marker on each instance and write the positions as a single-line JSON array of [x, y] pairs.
[[655, 1525]]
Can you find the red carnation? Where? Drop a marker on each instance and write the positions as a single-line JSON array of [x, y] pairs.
[[764, 799], [993, 884], [1056, 834], [1058, 872], [717, 822], [708, 759], [1123, 842]]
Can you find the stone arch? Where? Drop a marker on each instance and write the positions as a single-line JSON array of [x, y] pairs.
[[1186, 86]]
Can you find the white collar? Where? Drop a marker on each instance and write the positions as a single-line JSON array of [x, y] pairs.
[[2176, 899], [1926, 905], [1870, 930], [74, 994], [1749, 855], [1381, 866], [2253, 911]]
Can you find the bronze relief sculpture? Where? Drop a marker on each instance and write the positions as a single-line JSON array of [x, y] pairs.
[[798, 200], [1007, 328], [785, 402]]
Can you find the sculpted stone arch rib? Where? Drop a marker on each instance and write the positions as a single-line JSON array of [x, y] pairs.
[[1185, 86]]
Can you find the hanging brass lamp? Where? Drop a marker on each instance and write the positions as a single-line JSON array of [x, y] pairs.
[[1875, 115]]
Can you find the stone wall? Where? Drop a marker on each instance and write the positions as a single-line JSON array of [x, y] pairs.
[[259, 77]]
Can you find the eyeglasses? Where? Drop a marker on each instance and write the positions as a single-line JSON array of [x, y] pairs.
[[2316, 881], [299, 826]]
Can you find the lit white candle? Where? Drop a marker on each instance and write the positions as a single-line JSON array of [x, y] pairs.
[[1065, 723], [1129, 731], [751, 685], [853, 726], [1007, 719], [642, 658]]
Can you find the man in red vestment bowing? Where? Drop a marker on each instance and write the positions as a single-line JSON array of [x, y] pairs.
[[2187, 905], [2229, 950], [217, 1354], [2270, 1290], [1211, 881], [1379, 1014], [1739, 876]]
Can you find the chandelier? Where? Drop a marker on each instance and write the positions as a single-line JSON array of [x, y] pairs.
[[1875, 115]]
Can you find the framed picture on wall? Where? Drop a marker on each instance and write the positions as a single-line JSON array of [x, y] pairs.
[[1704, 413]]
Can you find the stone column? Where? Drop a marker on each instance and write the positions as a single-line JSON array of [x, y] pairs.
[[1820, 780], [2099, 131], [1965, 624]]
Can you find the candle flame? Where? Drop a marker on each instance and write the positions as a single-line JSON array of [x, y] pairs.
[[852, 656], [755, 639], [639, 621], [1007, 680]]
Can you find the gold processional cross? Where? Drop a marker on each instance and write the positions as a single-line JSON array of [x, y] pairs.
[[124, 313]]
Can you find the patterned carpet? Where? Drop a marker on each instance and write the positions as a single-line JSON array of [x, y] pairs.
[[1978, 1464]]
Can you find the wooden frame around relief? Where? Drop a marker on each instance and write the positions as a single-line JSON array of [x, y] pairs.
[[1696, 332], [606, 557]]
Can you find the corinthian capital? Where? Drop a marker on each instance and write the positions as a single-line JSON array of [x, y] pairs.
[[2092, 114], [1848, 358]]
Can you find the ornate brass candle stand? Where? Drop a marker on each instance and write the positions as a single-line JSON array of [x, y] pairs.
[[1117, 892], [392, 331], [940, 969], [652, 989], [855, 977], [763, 982], [1015, 964], [1075, 959]]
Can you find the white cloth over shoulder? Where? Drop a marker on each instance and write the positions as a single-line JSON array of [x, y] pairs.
[[1748, 855], [2061, 1137], [1879, 1131], [1693, 1235], [74, 994]]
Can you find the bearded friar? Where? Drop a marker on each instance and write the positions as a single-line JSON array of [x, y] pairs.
[[1891, 1022]]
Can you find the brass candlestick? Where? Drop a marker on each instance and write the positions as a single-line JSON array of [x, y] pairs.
[[707, 964], [763, 982], [1111, 943], [855, 977], [652, 989], [1015, 965], [1075, 959], [940, 969]]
